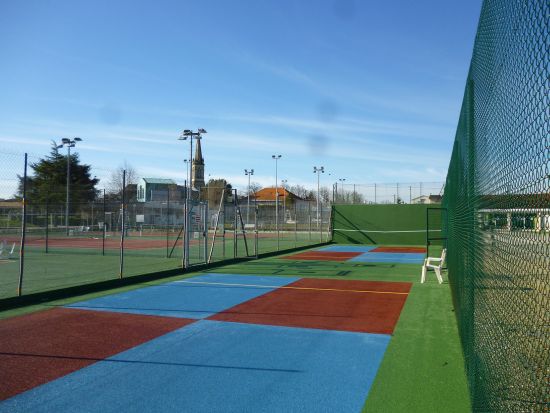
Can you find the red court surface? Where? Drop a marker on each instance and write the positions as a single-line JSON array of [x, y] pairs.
[[46, 345], [322, 256], [400, 249], [359, 306]]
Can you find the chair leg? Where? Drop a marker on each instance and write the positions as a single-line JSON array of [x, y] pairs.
[[423, 278], [438, 274]]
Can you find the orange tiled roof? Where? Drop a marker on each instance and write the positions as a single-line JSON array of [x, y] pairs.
[[268, 194]]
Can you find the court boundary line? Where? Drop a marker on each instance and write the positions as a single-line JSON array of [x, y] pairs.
[[368, 230], [291, 288]]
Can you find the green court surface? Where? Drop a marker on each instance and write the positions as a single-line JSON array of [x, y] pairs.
[[70, 266], [422, 370]]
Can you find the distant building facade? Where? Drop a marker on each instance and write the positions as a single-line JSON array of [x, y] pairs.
[[158, 189], [427, 199]]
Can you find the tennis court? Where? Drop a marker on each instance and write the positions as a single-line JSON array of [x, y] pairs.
[[204, 343], [367, 254]]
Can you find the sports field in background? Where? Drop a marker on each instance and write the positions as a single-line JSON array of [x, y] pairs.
[[309, 331], [76, 260]]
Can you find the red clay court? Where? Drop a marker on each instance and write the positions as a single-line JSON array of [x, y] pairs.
[[359, 306], [43, 346]]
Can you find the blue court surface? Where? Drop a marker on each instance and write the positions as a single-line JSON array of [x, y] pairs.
[[211, 366], [347, 248], [188, 300], [390, 257]]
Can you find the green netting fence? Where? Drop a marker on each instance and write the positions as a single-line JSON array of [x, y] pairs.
[[498, 203], [384, 224]]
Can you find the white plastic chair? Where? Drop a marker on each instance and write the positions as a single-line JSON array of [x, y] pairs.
[[435, 264]]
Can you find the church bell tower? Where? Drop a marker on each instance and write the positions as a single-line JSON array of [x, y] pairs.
[[197, 178]]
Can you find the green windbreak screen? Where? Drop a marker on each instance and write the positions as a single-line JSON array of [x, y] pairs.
[[383, 224], [498, 203]]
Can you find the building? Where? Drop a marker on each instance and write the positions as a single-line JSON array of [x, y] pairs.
[[267, 195], [158, 189], [427, 199]]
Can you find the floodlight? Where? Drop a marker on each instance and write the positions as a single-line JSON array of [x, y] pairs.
[[201, 130], [77, 139], [65, 140]]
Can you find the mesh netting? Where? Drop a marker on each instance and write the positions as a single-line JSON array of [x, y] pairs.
[[497, 195]]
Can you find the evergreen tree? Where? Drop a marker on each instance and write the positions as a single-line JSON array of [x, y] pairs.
[[48, 182]]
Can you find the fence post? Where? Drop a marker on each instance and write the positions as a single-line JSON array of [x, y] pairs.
[[104, 226], [205, 231], [309, 217], [295, 224], [321, 223], [47, 221], [23, 231], [123, 226], [235, 224], [167, 219], [255, 227]]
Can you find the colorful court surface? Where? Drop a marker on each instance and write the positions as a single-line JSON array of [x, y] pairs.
[[399, 258], [348, 248], [322, 256], [212, 366], [187, 300], [363, 253], [362, 306], [270, 344]]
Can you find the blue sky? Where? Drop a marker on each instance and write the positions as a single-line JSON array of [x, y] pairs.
[[369, 89]]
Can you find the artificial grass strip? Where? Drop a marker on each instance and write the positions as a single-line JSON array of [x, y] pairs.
[[423, 369]]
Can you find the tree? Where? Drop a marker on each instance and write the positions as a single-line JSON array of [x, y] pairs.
[[213, 191], [254, 187], [114, 185], [299, 190], [48, 183]]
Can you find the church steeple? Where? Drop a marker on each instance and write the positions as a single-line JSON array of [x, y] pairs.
[[197, 178]]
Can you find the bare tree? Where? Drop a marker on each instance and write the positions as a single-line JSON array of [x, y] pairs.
[[114, 184], [254, 187]]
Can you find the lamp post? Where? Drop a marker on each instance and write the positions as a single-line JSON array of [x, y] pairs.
[[248, 173], [318, 170], [342, 180], [188, 133], [186, 175], [283, 184], [276, 157], [69, 143]]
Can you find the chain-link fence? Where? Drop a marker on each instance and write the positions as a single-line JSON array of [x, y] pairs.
[[498, 215], [388, 193], [52, 239]]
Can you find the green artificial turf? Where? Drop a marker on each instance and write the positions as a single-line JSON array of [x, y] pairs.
[[68, 267]]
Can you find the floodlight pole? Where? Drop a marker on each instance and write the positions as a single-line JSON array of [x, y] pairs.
[[342, 180], [247, 172], [276, 157], [318, 171], [187, 133], [68, 185], [69, 143]]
